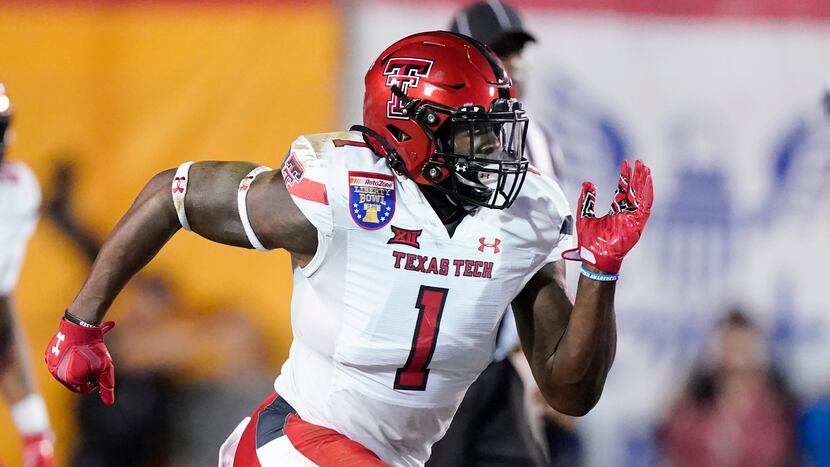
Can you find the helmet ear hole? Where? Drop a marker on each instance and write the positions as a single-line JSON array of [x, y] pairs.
[[398, 134]]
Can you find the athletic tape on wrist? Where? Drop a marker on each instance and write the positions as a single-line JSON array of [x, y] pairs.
[[179, 189], [598, 276], [241, 201]]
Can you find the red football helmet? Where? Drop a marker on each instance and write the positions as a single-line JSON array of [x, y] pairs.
[[5, 119], [440, 107]]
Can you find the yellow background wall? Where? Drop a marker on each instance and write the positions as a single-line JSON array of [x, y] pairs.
[[133, 89]]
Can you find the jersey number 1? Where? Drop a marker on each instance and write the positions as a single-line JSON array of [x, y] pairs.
[[430, 304]]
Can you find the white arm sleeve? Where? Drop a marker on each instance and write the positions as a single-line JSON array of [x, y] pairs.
[[241, 198]]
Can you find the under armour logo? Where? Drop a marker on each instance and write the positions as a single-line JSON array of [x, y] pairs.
[[246, 183], [178, 188], [495, 245], [60, 337]]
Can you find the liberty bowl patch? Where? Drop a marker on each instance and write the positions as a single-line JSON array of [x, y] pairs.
[[371, 199]]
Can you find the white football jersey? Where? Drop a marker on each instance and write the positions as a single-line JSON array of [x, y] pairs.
[[393, 318], [19, 203]]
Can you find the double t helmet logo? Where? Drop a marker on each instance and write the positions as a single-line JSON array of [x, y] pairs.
[[404, 73]]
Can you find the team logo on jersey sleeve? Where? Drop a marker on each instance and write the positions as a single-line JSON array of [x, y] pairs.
[[371, 199], [292, 170]]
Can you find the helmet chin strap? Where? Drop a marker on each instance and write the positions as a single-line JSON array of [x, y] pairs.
[[414, 113], [392, 158]]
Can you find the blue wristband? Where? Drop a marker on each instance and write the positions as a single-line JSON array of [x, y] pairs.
[[598, 276]]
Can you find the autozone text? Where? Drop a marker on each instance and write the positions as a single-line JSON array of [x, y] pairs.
[[443, 266], [371, 182]]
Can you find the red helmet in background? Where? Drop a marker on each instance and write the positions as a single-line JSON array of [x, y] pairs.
[[427, 98]]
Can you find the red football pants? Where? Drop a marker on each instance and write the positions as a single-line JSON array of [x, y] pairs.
[[276, 436]]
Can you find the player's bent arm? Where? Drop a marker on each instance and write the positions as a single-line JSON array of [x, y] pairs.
[[570, 345], [211, 208]]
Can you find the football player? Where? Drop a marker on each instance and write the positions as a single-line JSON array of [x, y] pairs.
[[19, 202], [411, 234]]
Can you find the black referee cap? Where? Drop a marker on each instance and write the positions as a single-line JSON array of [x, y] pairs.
[[493, 22]]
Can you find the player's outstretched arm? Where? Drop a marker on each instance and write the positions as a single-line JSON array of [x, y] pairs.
[[571, 346], [212, 211], [76, 356]]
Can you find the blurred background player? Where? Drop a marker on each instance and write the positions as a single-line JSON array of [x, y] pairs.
[[500, 421], [19, 203], [736, 409]]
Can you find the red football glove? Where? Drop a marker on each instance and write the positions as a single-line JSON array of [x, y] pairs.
[[78, 358], [604, 241], [39, 450]]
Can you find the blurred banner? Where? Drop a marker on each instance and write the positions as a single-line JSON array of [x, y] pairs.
[[722, 101], [124, 90]]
